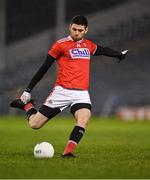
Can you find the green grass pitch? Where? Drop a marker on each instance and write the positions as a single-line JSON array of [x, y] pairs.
[[109, 149]]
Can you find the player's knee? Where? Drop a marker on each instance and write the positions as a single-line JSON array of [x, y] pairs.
[[34, 125], [83, 122]]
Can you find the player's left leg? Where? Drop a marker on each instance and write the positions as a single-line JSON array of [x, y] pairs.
[[82, 114]]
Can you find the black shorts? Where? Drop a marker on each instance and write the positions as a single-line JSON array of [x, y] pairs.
[[78, 106]]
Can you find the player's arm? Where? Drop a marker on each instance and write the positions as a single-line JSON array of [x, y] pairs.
[[106, 51], [41, 72], [26, 96]]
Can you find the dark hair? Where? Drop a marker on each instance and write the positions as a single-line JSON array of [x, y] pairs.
[[80, 20]]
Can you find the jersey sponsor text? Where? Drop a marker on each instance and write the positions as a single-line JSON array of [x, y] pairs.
[[80, 53]]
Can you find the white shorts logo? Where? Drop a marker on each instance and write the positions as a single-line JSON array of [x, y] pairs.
[[80, 53]]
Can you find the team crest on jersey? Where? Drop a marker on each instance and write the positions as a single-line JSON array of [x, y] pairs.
[[80, 53]]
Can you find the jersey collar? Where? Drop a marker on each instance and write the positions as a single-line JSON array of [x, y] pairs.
[[75, 41]]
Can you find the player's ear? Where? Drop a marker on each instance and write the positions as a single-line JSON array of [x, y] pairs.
[[86, 30], [70, 26]]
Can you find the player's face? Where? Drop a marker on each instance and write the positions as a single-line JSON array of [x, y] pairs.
[[77, 32]]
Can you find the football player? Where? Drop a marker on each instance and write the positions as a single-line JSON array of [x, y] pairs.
[[72, 55]]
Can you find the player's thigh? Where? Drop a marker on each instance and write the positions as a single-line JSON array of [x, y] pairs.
[[40, 118], [82, 117]]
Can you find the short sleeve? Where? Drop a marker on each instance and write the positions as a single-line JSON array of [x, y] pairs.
[[55, 50], [93, 47]]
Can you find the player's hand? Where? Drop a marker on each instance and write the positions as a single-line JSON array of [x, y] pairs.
[[26, 96], [122, 56]]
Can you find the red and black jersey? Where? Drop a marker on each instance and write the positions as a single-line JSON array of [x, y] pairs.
[[73, 59]]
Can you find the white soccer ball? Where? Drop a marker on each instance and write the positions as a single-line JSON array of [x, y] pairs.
[[43, 150]]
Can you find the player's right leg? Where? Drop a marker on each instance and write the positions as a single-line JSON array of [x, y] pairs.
[[45, 113], [36, 119]]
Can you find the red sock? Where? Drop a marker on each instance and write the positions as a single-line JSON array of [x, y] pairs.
[[28, 107], [71, 145]]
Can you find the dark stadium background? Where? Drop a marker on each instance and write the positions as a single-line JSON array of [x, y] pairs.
[[28, 28]]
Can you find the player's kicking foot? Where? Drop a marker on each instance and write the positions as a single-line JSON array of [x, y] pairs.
[[68, 155], [17, 103]]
